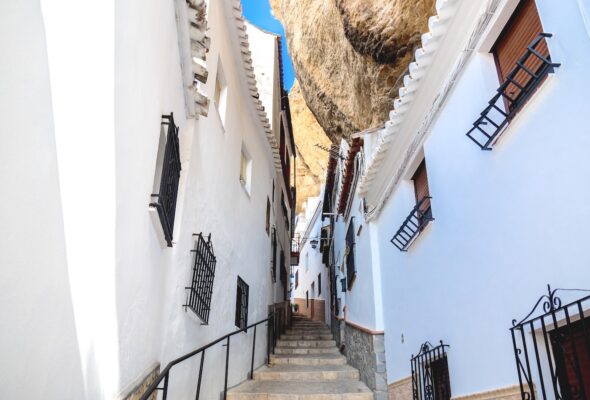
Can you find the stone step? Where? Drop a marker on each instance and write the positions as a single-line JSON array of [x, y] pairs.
[[305, 343], [319, 331], [290, 372], [306, 350], [301, 390], [308, 359], [306, 337]]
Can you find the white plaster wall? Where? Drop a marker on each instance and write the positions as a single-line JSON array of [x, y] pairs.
[[507, 222], [38, 340]]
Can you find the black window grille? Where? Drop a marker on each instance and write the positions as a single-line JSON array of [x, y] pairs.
[[350, 265], [430, 373], [307, 298], [165, 201], [325, 245], [201, 288], [242, 304], [414, 224], [512, 94], [273, 249], [319, 283], [283, 270], [552, 348]]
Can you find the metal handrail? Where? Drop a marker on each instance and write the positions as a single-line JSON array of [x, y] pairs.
[[164, 375]]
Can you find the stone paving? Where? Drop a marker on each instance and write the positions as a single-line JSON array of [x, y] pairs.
[[306, 365]]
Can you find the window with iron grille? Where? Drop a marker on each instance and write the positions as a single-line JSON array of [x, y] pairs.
[[307, 298], [552, 348], [242, 304], [296, 279], [267, 215], [283, 270], [430, 373], [350, 265], [319, 283], [273, 255], [201, 288], [523, 62], [169, 176], [420, 215]]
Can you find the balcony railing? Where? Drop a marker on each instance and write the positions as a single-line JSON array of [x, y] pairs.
[[530, 71], [420, 216], [165, 200]]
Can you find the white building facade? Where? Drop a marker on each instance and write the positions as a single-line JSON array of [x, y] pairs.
[[465, 232], [100, 282]]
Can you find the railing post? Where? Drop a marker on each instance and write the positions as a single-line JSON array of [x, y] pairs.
[[165, 389], [200, 375], [253, 352], [226, 369], [268, 325]]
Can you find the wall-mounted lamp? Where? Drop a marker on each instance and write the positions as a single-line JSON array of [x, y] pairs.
[[314, 243]]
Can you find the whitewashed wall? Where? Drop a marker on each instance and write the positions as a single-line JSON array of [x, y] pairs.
[[94, 299], [507, 222]]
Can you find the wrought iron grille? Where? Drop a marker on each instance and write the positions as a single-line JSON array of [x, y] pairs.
[[430, 373], [199, 295], [242, 304], [283, 270], [520, 84], [165, 201], [552, 350], [273, 249], [350, 266], [419, 217]]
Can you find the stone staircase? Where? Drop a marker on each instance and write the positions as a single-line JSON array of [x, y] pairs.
[[306, 365]]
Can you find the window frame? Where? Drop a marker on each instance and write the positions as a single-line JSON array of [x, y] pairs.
[[201, 288], [242, 300]]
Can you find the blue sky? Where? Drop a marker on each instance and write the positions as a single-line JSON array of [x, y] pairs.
[[258, 12]]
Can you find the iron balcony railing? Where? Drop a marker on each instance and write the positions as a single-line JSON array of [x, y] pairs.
[[201, 289], [419, 217], [552, 350], [165, 200], [161, 382], [529, 72], [430, 373]]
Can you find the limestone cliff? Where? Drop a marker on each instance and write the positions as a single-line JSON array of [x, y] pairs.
[[349, 58]]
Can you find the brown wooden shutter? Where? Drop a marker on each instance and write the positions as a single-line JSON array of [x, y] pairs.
[[520, 31], [421, 185]]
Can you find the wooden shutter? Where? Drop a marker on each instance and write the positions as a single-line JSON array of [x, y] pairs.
[[421, 185], [520, 31], [570, 346]]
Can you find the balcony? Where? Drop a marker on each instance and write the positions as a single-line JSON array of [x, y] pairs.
[[415, 223], [530, 71]]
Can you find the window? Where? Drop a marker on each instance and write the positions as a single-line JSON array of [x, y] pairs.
[[313, 290], [296, 279], [430, 373], [307, 298], [167, 178], [283, 271], [220, 95], [267, 215], [552, 347], [245, 170], [420, 215], [319, 283], [199, 296], [521, 30], [421, 190], [273, 255], [242, 304], [523, 62], [350, 265]]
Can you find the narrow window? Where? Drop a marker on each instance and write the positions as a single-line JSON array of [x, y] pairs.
[[313, 290], [245, 170], [521, 30], [306, 262], [296, 279], [167, 178], [319, 283], [220, 95], [267, 216], [350, 265], [422, 192], [307, 298], [242, 304], [273, 255], [283, 271], [201, 289]]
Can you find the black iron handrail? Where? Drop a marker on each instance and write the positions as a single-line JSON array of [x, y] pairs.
[[412, 225], [503, 107], [165, 374]]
